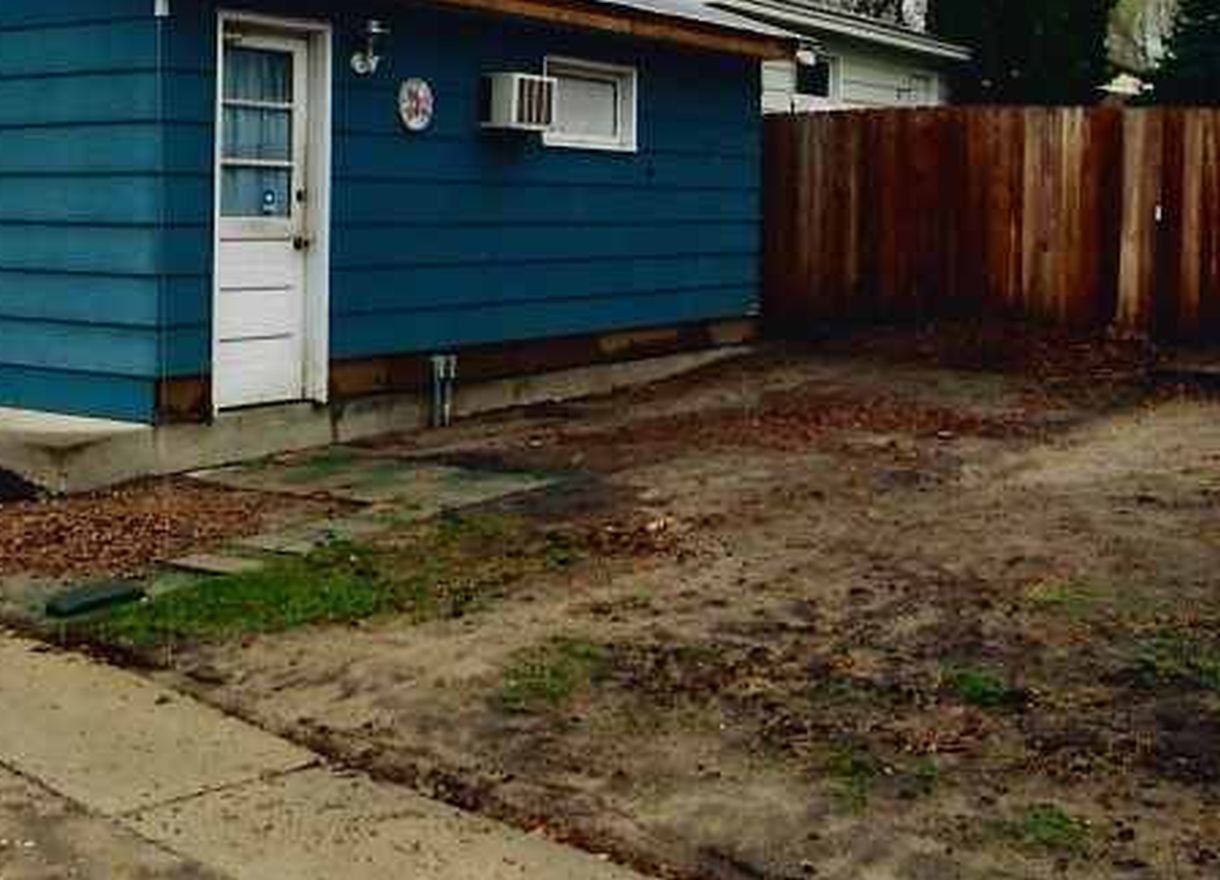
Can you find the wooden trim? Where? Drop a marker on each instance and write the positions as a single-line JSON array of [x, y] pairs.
[[188, 399], [185, 399], [637, 23], [399, 373]]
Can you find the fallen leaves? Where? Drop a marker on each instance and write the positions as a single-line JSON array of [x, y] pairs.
[[123, 530], [796, 420]]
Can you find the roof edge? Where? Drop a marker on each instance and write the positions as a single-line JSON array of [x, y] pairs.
[[796, 14], [628, 20]]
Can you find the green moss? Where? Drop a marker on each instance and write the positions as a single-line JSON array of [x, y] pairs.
[[978, 687], [1048, 827]]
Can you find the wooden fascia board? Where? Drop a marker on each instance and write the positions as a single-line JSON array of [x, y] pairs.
[[637, 23]]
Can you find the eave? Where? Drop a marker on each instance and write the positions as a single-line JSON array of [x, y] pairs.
[[807, 18], [717, 33]]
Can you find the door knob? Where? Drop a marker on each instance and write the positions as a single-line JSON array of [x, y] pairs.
[[301, 242]]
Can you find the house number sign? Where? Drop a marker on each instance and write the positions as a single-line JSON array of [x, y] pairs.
[[415, 104]]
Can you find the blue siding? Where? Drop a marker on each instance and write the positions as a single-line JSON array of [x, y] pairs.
[[442, 239], [457, 236], [79, 206]]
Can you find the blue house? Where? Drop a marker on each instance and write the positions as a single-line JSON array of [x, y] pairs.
[[209, 206]]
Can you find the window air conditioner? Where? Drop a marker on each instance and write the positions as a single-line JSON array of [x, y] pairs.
[[519, 101]]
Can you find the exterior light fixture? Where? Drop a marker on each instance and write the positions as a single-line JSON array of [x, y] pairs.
[[366, 61], [808, 53]]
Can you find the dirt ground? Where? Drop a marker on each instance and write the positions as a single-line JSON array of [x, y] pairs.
[[905, 606]]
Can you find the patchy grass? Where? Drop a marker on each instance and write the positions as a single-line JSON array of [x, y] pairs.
[[1178, 659], [922, 778], [979, 687], [442, 569], [1049, 828], [336, 583], [546, 676], [1061, 594], [855, 774], [852, 772]]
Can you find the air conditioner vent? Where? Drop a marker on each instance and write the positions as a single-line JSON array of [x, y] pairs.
[[521, 101]]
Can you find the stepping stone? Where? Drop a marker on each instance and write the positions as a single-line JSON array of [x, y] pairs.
[[303, 539], [372, 479], [216, 563], [93, 597]]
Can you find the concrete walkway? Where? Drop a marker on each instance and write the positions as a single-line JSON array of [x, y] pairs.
[[105, 774]]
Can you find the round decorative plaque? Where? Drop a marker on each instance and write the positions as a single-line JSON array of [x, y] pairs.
[[415, 104]]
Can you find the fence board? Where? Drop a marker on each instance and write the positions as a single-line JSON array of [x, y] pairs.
[[1079, 217]]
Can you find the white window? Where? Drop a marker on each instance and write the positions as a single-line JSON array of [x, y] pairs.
[[595, 105], [819, 78]]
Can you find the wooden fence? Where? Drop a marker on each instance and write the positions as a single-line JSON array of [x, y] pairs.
[[1080, 217]]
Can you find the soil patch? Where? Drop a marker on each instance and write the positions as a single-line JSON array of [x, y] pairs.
[[812, 615]]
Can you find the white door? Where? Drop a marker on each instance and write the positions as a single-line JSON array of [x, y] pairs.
[[263, 235]]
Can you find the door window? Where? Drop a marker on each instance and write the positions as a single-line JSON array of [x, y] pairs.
[[257, 121]]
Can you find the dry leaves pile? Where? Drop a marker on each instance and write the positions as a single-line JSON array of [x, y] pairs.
[[121, 531], [1048, 356]]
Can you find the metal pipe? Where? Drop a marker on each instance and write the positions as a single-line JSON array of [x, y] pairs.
[[444, 378]]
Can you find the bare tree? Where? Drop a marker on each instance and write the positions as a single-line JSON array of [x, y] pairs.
[[911, 13], [1140, 32], [890, 10]]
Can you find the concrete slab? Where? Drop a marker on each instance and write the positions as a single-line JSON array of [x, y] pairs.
[[36, 445], [317, 825], [73, 454], [116, 742], [407, 485], [216, 563], [301, 539], [59, 431], [106, 775], [44, 836]]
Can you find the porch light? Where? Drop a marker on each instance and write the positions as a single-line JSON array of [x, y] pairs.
[[808, 53], [366, 61]]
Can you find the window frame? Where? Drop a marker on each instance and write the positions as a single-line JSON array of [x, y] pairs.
[[626, 82], [834, 79]]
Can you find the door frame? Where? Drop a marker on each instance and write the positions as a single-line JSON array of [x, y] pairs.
[[318, 150]]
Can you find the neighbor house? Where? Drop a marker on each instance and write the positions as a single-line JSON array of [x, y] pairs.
[[210, 206], [852, 61]]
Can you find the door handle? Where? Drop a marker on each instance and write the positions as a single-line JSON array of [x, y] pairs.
[[301, 242]]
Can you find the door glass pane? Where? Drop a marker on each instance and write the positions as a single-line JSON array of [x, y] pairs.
[[254, 133], [258, 75], [255, 192]]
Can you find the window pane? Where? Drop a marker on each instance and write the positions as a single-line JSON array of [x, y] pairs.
[[258, 75], [814, 79], [255, 192], [251, 133], [587, 107]]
